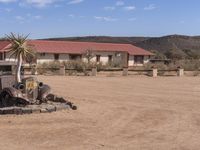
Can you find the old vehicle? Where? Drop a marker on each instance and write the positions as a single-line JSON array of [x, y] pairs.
[[29, 91], [16, 90]]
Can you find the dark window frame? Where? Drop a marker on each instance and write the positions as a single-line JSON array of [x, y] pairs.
[[42, 54], [110, 58], [98, 58], [75, 56], [138, 59], [56, 56]]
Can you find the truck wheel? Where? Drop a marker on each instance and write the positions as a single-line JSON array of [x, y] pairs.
[[7, 100]]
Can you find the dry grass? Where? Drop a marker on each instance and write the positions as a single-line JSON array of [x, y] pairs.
[[125, 113]]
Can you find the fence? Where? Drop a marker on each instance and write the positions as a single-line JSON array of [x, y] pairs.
[[154, 72]]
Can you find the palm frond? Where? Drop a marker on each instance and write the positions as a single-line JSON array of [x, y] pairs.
[[19, 46]]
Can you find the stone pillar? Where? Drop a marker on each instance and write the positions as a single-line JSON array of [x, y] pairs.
[[154, 72], [94, 71], [62, 70], [180, 72], [125, 71]]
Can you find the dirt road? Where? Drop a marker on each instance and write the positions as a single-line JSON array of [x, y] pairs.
[[115, 113]]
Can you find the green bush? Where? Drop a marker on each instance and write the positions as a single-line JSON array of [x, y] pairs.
[[186, 64]]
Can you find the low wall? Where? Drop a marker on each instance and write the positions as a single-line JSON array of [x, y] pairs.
[[110, 72]]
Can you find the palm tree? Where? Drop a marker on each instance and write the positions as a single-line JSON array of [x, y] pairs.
[[20, 50]]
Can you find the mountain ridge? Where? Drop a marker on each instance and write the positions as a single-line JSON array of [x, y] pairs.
[[169, 46]]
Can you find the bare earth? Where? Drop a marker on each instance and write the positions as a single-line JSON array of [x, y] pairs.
[[115, 113]]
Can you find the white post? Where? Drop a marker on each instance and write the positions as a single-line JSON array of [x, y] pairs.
[[125, 71], [62, 70], [180, 72], [154, 72], [94, 71]]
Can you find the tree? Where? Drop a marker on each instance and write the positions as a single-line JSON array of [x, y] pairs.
[[88, 55], [20, 50]]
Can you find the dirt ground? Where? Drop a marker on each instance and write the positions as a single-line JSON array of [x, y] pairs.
[[114, 113]]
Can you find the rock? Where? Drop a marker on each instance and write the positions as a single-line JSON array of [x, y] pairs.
[[51, 108], [7, 110], [35, 110], [17, 110], [26, 110], [62, 107], [43, 110]]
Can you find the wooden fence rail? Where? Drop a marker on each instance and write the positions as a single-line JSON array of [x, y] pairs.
[[154, 72]]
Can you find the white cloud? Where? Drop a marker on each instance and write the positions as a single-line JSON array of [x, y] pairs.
[[71, 15], [37, 17], [8, 9], [40, 3], [130, 8], [19, 18], [119, 3], [150, 7], [109, 8], [75, 1], [5, 10], [132, 19], [27, 18], [109, 19], [7, 1]]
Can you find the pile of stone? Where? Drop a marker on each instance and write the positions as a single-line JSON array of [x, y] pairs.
[[34, 109]]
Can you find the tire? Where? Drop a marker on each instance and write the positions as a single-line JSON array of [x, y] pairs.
[[7, 100]]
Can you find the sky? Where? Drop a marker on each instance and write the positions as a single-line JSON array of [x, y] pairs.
[[68, 18]]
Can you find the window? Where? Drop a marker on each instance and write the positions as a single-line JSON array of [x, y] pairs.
[[74, 57], [42, 54], [56, 56], [110, 58], [98, 58], [1, 56], [139, 59]]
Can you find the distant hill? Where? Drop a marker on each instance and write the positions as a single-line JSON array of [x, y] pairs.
[[172, 46], [103, 39]]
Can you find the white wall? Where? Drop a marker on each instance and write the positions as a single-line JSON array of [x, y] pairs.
[[146, 59], [131, 60], [7, 57], [50, 57], [104, 58]]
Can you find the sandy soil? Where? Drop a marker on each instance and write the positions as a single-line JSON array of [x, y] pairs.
[[115, 113]]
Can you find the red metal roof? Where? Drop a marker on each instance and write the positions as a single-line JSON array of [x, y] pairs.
[[3, 44], [44, 46]]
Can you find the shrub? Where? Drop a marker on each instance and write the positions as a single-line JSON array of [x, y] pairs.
[[186, 64], [196, 73]]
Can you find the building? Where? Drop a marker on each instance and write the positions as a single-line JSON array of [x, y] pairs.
[[124, 54]]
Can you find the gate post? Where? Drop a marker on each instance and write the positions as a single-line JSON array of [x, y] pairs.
[[62, 70], [94, 71], [125, 71], [154, 72], [180, 71]]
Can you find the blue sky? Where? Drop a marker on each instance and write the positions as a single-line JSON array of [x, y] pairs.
[[65, 18]]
